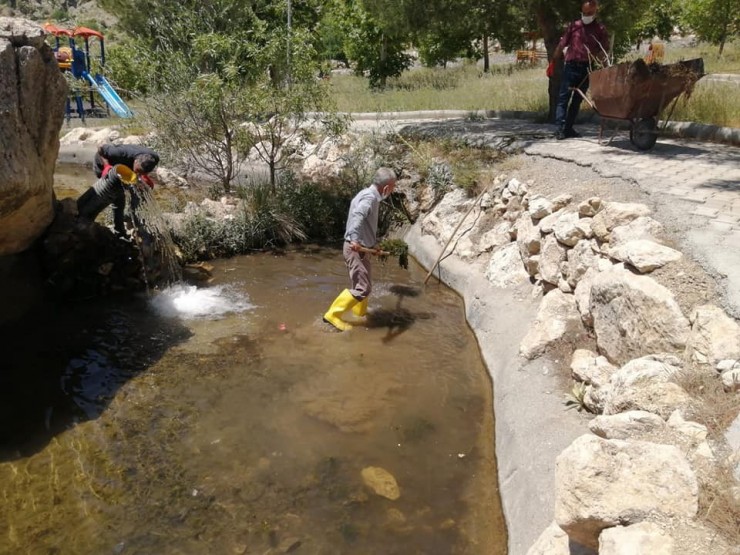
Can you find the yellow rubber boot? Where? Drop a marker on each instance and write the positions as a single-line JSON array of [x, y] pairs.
[[360, 309], [344, 302]]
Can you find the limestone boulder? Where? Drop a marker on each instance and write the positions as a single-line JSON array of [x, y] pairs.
[[32, 94], [581, 257], [582, 295], [325, 161], [547, 223], [644, 255], [527, 236], [635, 316], [714, 336], [626, 425], [443, 220], [589, 207], [552, 255], [591, 368], [643, 538], [496, 237], [83, 136], [505, 268], [557, 317], [539, 207], [643, 227], [569, 229], [615, 214], [661, 398], [605, 483]]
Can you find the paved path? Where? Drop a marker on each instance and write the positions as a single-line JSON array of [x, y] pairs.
[[700, 179]]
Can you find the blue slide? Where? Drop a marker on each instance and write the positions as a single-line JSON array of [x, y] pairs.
[[101, 85]]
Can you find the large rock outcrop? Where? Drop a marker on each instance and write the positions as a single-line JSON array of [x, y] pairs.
[[32, 94]]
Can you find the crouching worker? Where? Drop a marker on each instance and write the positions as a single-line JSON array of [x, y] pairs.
[[361, 233], [108, 190], [141, 159]]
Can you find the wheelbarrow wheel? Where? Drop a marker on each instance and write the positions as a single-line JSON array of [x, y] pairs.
[[644, 133]]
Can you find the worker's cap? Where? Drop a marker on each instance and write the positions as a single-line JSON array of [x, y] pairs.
[[125, 174]]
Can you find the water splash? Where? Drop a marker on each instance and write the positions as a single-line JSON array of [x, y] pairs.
[[153, 237], [189, 301]]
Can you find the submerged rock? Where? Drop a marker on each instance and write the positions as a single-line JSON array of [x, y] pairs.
[[381, 482]]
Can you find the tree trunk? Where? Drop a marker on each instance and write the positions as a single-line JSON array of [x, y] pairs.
[[273, 180], [383, 56], [549, 29], [486, 61]]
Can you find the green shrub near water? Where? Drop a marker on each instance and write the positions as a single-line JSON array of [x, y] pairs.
[[270, 218]]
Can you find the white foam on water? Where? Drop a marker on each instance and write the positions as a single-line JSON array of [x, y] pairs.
[[189, 301]]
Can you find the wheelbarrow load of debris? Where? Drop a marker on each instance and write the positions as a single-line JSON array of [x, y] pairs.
[[638, 93]]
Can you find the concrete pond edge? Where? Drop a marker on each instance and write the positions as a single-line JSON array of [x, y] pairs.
[[527, 441]]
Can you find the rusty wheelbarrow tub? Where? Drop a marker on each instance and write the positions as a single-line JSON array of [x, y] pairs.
[[637, 93]]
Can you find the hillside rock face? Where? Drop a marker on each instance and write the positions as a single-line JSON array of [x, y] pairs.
[[32, 94]]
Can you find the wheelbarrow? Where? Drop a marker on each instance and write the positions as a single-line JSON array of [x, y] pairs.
[[637, 93]]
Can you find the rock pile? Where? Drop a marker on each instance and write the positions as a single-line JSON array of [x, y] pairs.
[[635, 481]]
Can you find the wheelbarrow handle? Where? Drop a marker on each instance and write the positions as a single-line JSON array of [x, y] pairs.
[[579, 91]]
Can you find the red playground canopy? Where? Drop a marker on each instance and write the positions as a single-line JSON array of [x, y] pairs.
[[56, 31], [84, 32]]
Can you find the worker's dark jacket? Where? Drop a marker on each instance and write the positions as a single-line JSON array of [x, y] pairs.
[[120, 154]]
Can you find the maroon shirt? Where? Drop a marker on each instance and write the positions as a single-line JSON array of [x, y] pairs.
[[584, 39]]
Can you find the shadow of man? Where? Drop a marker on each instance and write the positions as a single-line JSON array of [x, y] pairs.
[[397, 319]]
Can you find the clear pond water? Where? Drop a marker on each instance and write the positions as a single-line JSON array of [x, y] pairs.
[[229, 419]]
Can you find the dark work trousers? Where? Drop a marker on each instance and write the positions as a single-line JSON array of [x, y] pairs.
[[575, 74], [107, 191], [358, 264]]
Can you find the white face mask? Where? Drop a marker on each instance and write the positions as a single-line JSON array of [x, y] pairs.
[[386, 192], [587, 19]]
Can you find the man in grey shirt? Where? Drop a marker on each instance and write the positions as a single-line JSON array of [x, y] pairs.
[[360, 235]]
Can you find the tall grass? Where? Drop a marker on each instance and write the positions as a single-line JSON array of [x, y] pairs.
[[509, 87], [712, 102], [465, 88], [729, 62]]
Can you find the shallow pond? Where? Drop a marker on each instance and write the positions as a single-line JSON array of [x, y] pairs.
[[230, 419]]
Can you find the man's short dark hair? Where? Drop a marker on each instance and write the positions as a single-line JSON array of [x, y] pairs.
[[147, 162]]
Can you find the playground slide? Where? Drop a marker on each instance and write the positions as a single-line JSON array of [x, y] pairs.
[[102, 86]]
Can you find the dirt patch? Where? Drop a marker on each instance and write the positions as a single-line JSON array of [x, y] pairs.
[[688, 281]]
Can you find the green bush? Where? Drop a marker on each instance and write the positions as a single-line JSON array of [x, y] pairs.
[[320, 210]]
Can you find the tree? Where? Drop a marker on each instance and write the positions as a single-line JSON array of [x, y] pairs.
[[201, 127], [278, 113], [225, 77], [714, 21], [374, 45], [659, 21]]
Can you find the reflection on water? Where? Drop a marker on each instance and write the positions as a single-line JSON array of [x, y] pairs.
[[252, 435]]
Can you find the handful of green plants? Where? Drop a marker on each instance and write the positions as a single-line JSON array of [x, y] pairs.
[[396, 247]]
